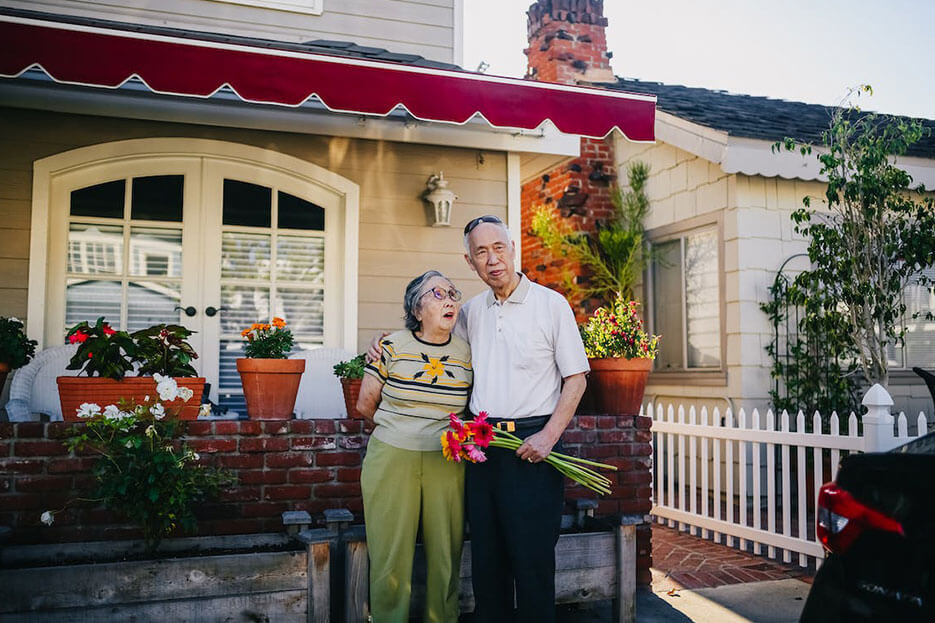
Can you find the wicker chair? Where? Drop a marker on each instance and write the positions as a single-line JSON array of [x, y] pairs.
[[33, 389], [320, 395]]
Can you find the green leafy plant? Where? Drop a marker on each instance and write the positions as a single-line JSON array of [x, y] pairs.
[[873, 235], [144, 471], [268, 341], [614, 255], [617, 331], [15, 348], [102, 351], [352, 368], [814, 363], [163, 349]]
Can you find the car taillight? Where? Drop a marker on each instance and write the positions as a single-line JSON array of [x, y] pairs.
[[841, 519]]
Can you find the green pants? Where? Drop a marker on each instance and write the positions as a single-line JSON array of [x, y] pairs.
[[398, 486]]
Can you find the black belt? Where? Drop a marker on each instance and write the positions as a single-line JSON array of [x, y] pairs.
[[512, 424]]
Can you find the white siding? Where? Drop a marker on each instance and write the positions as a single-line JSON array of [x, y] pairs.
[[426, 27]]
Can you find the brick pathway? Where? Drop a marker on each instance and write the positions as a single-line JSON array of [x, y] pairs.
[[684, 561]]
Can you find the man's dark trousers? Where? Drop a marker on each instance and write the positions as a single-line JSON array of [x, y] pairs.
[[515, 513]]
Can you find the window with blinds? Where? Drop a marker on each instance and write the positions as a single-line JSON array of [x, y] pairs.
[[125, 252], [918, 348], [272, 264], [685, 301]]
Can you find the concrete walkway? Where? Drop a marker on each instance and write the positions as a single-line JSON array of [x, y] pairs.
[[697, 581]]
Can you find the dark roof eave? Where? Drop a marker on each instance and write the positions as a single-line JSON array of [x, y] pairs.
[[750, 116]]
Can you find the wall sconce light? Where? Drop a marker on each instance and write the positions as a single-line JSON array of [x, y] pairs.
[[437, 193]]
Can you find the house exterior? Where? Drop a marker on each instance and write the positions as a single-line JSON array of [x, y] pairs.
[[216, 162], [719, 222], [720, 193]]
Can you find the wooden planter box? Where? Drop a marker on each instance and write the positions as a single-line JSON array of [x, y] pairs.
[[591, 566], [231, 578]]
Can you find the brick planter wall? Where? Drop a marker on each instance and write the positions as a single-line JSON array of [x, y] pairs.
[[307, 465]]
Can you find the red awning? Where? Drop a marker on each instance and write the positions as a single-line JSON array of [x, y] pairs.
[[100, 57]]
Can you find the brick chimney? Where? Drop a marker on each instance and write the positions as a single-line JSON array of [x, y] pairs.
[[567, 45], [567, 42]]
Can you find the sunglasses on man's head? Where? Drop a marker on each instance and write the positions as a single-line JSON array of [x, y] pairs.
[[474, 222], [452, 293]]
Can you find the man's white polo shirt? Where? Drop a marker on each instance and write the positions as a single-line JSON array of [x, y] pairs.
[[521, 349]]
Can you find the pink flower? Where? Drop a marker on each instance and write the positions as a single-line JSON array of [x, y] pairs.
[[78, 337], [107, 330], [473, 453], [457, 426]]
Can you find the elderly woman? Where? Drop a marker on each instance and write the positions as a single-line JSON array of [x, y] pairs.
[[423, 374]]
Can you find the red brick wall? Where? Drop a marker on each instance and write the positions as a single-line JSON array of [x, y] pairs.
[[295, 465], [567, 45], [539, 264]]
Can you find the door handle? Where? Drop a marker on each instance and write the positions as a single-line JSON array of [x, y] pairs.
[[189, 311], [210, 311]]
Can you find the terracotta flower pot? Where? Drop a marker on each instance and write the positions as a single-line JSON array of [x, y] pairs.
[[616, 384], [75, 390], [351, 388], [270, 386]]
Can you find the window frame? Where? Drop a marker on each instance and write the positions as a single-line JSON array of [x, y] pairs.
[[307, 7], [714, 376], [905, 366]]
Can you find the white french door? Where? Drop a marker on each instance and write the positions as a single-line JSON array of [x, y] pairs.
[[126, 240], [209, 242], [267, 247]]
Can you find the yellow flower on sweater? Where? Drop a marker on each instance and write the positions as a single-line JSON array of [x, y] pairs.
[[434, 367]]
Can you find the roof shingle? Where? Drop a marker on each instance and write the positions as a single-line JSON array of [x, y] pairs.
[[750, 116]]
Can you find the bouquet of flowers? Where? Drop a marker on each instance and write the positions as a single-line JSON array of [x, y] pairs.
[[465, 441]]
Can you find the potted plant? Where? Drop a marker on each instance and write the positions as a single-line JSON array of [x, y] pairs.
[[15, 348], [270, 380], [106, 356], [143, 471], [164, 350], [104, 352], [351, 374], [621, 355]]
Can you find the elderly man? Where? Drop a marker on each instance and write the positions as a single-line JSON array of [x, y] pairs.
[[529, 375]]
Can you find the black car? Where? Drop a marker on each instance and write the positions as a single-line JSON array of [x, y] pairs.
[[877, 521]]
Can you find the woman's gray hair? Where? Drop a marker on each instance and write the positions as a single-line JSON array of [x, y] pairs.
[[412, 300]]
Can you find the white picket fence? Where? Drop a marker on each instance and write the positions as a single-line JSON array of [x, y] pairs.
[[742, 478]]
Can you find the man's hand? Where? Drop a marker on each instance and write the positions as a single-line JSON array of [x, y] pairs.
[[373, 351], [536, 447]]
